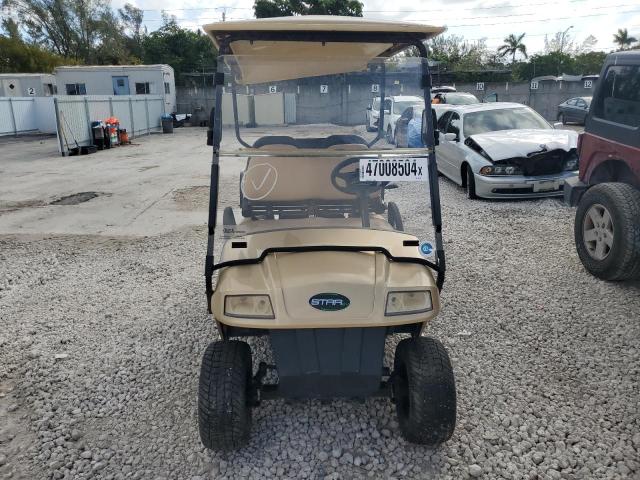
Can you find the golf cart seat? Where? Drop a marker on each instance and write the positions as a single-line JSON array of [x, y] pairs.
[[309, 142], [298, 187]]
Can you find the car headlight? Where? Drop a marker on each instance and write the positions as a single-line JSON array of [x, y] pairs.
[[405, 303], [248, 306], [490, 170], [571, 163]]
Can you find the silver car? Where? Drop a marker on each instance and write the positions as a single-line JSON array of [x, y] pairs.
[[505, 150]]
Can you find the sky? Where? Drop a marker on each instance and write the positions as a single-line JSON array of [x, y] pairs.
[[491, 20]]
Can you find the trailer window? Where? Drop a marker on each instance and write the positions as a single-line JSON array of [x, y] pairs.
[[619, 99], [167, 87], [143, 88], [76, 89]]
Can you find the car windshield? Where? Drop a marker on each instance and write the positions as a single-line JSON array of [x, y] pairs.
[[280, 171], [587, 100], [461, 99], [502, 119], [402, 105]]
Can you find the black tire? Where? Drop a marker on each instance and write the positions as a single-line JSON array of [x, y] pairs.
[[224, 413], [389, 134], [622, 202], [471, 183], [228, 217], [395, 137], [561, 119], [393, 216], [424, 391]]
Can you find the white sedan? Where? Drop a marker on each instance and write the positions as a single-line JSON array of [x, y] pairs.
[[505, 150]]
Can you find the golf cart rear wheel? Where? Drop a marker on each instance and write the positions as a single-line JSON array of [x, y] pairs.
[[228, 217], [224, 413], [424, 391], [394, 217]]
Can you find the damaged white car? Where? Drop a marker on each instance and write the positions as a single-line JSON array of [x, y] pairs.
[[505, 150]]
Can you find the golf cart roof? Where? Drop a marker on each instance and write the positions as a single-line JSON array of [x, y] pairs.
[[285, 48]]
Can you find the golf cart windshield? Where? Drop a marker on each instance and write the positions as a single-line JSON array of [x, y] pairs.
[[301, 160], [292, 148]]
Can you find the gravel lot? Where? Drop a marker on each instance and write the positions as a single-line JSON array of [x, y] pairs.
[[102, 338]]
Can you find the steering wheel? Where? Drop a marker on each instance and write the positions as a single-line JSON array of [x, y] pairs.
[[353, 185], [351, 178]]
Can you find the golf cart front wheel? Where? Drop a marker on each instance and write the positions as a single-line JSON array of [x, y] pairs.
[[224, 413], [424, 391], [394, 217]]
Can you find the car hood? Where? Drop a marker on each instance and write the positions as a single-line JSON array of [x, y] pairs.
[[506, 144]]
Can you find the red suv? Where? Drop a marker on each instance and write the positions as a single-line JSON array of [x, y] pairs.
[[607, 191]]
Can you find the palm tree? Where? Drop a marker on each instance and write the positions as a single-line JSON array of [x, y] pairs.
[[513, 45], [623, 39]]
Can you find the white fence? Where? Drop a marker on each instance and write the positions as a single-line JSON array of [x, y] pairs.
[[20, 115], [138, 114]]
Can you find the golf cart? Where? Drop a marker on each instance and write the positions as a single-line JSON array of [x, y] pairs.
[[313, 253]]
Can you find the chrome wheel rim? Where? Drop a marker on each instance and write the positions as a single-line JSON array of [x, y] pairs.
[[597, 231]]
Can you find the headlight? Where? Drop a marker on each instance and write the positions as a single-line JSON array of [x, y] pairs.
[[500, 170], [248, 306], [404, 303], [571, 163]]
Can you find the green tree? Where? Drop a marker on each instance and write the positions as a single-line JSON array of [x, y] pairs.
[[131, 18], [285, 8], [186, 51], [623, 39], [18, 57], [84, 30], [512, 45]]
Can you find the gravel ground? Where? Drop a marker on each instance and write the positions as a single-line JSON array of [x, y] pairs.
[[102, 338]]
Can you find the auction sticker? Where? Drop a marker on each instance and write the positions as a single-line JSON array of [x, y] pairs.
[[394, 170]]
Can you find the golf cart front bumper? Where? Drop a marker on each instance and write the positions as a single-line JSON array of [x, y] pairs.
[[293, 280]]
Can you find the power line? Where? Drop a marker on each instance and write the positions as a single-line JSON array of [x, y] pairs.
[[541, 20]]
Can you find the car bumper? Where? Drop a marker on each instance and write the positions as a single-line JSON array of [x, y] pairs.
[[573, 191], [521, 186]]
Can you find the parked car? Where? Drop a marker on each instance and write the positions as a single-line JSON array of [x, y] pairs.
[[505, 150], [446, 98], [607, 192], [574, 110], [393, 108]]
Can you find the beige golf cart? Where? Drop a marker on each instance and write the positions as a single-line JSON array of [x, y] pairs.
[[305, 221]]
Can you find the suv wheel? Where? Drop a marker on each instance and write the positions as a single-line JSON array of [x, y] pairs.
[[561, 119], [607, 231]]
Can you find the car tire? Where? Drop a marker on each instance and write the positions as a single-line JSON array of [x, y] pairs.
[[224, 412], [471, 183], [424, 391], [561, 119], [621, 259], [394, 217], [228, 217], [389, 134], [395, 137]]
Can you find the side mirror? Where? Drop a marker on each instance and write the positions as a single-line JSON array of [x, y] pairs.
[[558, 125], [450, 137]]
